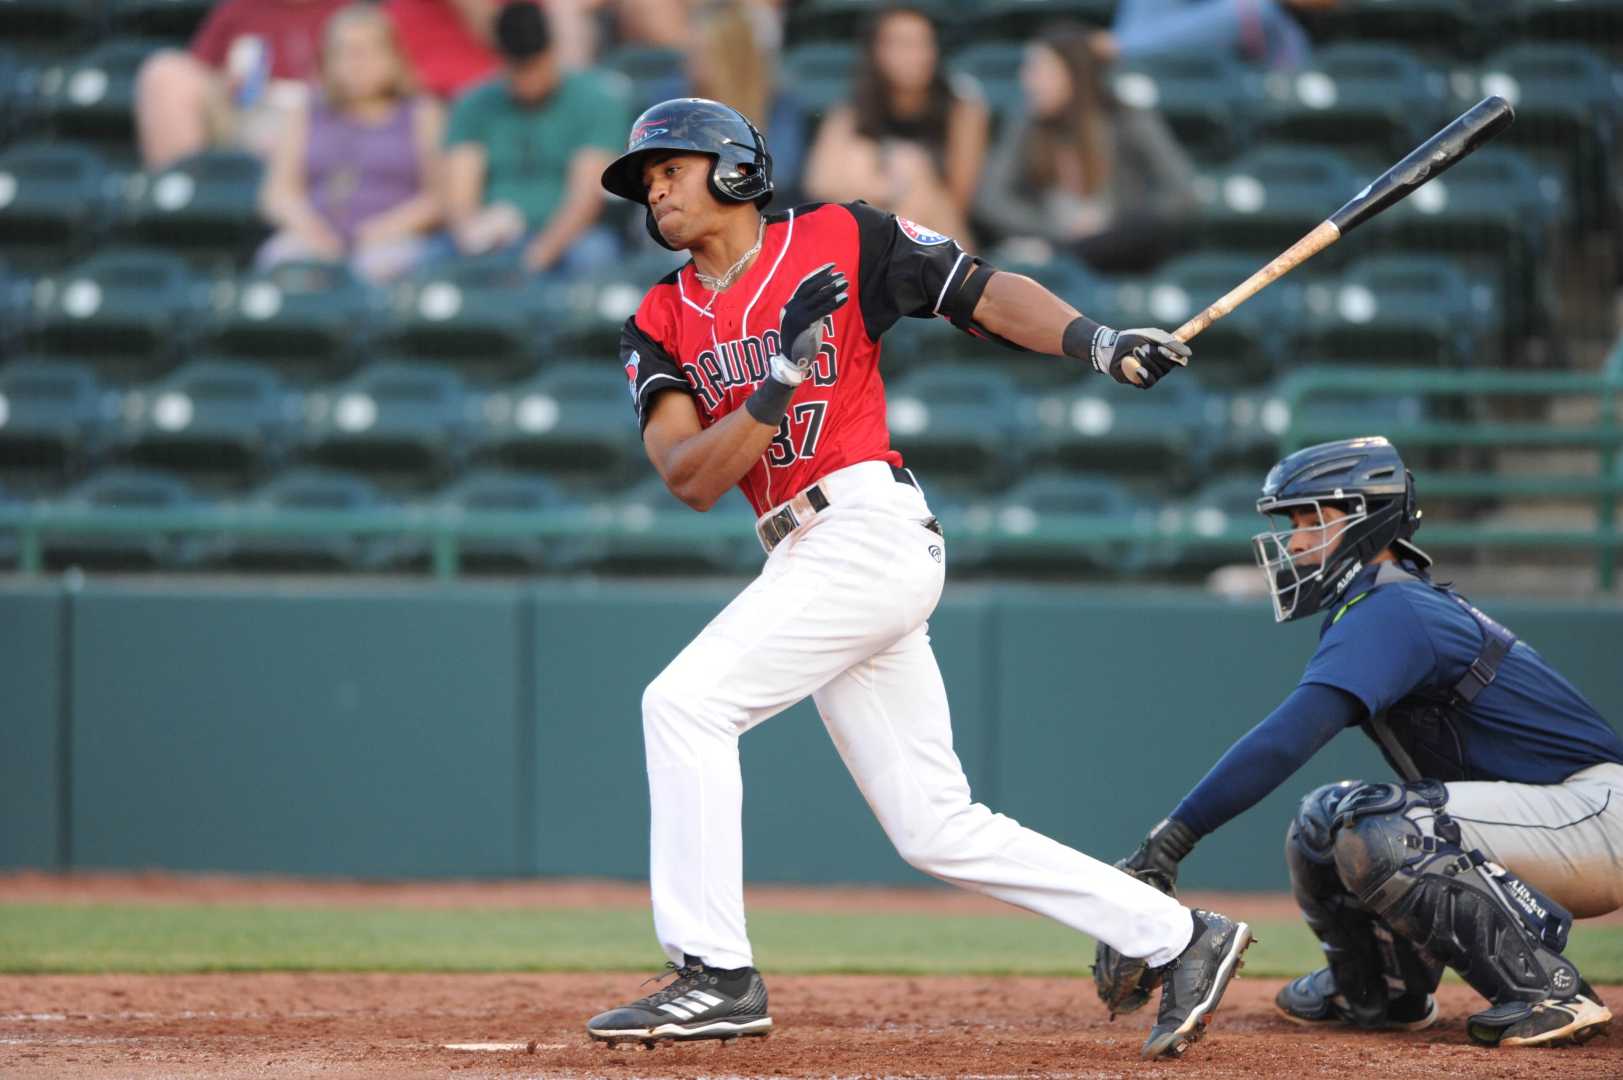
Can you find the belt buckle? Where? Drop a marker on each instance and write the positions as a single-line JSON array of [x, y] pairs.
[[776, 527]]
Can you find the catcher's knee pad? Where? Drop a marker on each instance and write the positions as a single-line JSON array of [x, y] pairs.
[[1371, 966], [1400, 855]]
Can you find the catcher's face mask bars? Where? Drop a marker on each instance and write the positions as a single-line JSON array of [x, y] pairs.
[[1288, 573]]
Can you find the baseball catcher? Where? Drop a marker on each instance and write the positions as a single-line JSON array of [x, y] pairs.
[[1504, 821]]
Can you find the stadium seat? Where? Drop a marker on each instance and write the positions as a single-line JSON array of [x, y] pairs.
[[1269, 197], [574, 420], [1401, 310], [1250, 423], [92, 95], [586, 314], [820, 73], [329, 490], [1024, 20], [54, 200], [1566, 101], [407, 423], [475, 314], [132, 489], [996, 66], [1210, 101], [1465, 25], [511, 492], [636, 529], [653, 73], [307, 318], [14, 295], [207, 203], [138, 304], [957, 423], [54, 419], [846, 20], [1054, 501], [223, 419], [1586, 21], [1100, 425], [48, 24], [177, 20], [1378, 96], [1207, 521]]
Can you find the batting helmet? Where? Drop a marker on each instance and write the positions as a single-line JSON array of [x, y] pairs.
[[743, 168], [1366, 479]]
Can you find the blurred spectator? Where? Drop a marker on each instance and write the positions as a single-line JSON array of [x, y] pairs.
[[248, 63], [525, 152], [911, 141], [1104, 180], [1256, 31], [728, 62], [353, 174], [448, 42]]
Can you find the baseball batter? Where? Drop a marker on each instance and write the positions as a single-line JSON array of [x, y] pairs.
[[1506, 821], [757, 365]]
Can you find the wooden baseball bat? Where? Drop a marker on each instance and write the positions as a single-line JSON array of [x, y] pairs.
[[1463, 135]]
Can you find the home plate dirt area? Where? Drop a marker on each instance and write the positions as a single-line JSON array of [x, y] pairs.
[[276, 1025]]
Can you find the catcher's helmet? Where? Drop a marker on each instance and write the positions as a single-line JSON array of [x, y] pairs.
[[1367, 480], [743, 169]]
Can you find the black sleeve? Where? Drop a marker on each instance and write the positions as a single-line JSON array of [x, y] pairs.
[[650, 370], [907, 269]]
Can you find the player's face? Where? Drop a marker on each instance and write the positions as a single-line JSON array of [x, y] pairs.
[[1315, 533], [679, 196]]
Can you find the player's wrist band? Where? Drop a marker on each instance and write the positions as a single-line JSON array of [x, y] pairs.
[[1090, 341], [771, 398]]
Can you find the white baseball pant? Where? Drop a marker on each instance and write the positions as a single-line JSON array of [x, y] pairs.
[[839, 613]]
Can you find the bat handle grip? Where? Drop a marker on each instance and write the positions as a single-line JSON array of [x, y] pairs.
[[1323, 235]]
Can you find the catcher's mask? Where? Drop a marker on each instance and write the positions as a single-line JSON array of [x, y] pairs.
[[1366, 480], [742, 170]]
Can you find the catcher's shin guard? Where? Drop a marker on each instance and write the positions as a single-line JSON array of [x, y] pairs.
[[1501, 935], [1371, 965]]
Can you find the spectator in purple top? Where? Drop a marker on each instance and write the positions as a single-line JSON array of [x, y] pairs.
[[355, 175]]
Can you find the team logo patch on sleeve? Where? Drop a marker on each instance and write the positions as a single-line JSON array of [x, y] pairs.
[[919, 234], [631, 373]]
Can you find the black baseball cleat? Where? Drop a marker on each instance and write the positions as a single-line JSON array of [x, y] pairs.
[[1313, 1000], [703, 1003], [1193, 983], [1554, 1021]]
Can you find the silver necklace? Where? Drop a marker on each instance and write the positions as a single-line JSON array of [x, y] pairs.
[[717, 284]]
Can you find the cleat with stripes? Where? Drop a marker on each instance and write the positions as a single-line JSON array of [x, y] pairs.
[[702, 1003]]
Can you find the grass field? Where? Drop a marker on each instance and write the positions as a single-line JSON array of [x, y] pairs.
[[135, 938]]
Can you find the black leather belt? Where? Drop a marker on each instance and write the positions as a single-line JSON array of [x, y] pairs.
[[811, 502]]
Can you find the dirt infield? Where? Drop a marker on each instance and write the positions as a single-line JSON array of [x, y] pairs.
[[193, 1027]]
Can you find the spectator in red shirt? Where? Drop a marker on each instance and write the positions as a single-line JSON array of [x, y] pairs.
[[249, 59], [447, 41]]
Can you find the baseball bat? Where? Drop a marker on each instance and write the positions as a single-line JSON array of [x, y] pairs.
[[1463, 135]]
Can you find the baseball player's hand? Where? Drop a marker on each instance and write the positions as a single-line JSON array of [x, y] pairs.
[[1125, 983], [820, 293], [1137, 357]]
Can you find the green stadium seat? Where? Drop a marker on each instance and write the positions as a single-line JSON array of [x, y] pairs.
[[55, 418], [1465, 25], [996, 66], [409, 424], [133, 489], [54, 200], [653, 73], [49, 24], [1210, 101], [1098, 424], [207, 203], [1326, 416], [1271, 196], [574, 420], [212, 418], [957, 422], [1402, 310], [14, 293], [635, 530], [1206, 520], [1250, 423], [138, 304], [1586, 21], [1052, 501], [475, 314], [846, 20], [510, 492], [1567, 108], [1376, 96], [585, 314], [820, 73], [1024, 20], [323, 490], [174, 19], [92, 94], [306, 318]]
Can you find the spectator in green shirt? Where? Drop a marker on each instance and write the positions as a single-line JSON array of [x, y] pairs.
[[524, 153]]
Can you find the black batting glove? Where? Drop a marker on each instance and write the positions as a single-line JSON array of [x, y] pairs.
[[1158, 855], [821, 292]]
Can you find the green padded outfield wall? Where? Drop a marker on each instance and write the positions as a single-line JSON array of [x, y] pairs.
[[482, 730]]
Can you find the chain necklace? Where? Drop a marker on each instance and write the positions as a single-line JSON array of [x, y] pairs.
[[717, 284]]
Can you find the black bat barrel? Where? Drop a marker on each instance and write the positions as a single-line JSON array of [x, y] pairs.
[[1464, 134]]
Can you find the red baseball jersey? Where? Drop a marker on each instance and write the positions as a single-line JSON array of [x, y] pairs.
[[715, 346]]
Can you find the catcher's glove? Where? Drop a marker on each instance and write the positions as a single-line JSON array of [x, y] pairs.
[[1125, 983]]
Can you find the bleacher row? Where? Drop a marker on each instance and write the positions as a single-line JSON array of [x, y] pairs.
[[141, 366]]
